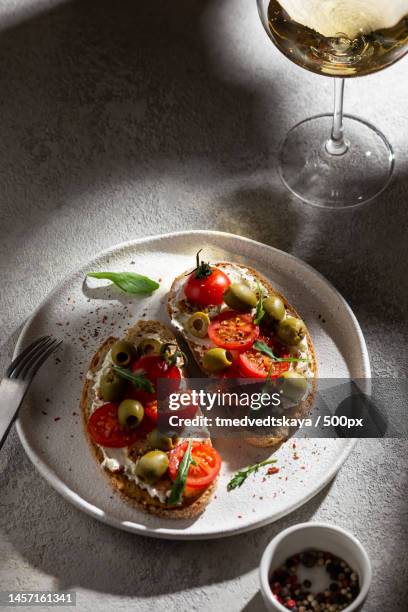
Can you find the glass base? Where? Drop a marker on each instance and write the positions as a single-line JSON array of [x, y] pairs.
[[315, 176]]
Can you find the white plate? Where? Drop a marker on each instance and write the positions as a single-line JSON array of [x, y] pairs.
[[50, 426]]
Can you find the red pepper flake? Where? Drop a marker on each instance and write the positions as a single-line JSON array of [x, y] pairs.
[[294, 445], [57, 418], [239, 516], [273, 470], [44, 413], [296, 456]]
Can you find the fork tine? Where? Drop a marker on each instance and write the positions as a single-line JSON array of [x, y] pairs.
[[25, 354], [20, 369], [32, 368]]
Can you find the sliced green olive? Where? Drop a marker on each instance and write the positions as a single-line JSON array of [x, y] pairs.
[[291, 331], [149, 346], [274, 308], [158, 440], [294, 385], [112, 387], [240, 297], [130, 413], [216, 360], [123, 353], [152, 466], [198, 324]]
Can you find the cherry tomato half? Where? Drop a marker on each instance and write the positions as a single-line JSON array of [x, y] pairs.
[[153, 367], [207, 464], [233, 330], [207, 290], [254, 364], [150, 416], [104, 428]]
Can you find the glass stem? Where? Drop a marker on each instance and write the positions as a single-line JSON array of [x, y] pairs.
[[337, 144]]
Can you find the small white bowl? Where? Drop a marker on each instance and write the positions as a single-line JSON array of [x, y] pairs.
[[319, 536]]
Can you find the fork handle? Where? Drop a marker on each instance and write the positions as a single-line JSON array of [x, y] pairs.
[[12, 393]]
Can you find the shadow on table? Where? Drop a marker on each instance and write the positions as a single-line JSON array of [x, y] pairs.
[[255, 604], [78, 551], [106, 93], [357, 250]]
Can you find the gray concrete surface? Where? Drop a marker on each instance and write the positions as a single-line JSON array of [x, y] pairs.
[[122, 119]]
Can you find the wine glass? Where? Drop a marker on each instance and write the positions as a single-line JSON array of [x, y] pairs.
[[338, 160]]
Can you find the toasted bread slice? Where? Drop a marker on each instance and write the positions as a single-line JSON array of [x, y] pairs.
[[198, 348], [129, 489]]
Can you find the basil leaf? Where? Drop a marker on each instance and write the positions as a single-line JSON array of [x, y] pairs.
[[260, 312], [240, 477], [137, 378], [266, 350], [181, 478], [130, 282]]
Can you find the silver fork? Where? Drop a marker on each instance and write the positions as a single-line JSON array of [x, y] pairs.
[[18, 378]]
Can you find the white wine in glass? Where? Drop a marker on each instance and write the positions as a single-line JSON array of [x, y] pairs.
[[336, 160]]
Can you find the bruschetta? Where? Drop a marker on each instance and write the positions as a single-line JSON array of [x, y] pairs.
[[160, 474], [237, 324]]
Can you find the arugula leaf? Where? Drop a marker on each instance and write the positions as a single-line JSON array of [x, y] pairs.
[[260, 312], [137, 378], [266, 350], [268, 381], [130, 282], [240, 477], [179, 484]]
